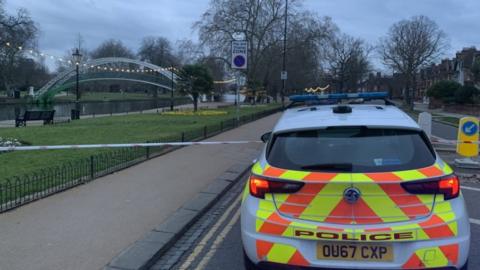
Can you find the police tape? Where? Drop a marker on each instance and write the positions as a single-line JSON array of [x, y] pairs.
[[451, 142], [126, 145]]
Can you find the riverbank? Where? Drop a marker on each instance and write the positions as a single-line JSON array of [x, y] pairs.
[[63, 109], [115, 129], [91, 97]]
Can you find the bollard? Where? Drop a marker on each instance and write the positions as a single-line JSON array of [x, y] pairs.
[[468, 131], [221, 126], [205, 132], [183, 136]]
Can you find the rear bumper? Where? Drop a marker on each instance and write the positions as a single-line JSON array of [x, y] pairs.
[[275, 266], [294, 253]]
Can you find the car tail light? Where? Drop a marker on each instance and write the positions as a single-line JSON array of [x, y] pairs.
[[449, 186], [260, 186]]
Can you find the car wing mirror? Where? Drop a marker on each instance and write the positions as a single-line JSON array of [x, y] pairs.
[[266, 137]]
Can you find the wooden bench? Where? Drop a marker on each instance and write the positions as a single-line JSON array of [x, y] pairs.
[[46, 116]]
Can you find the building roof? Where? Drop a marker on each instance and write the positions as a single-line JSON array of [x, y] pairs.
[[361, 115]]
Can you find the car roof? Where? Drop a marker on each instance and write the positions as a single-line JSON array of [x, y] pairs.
[[380, 116]]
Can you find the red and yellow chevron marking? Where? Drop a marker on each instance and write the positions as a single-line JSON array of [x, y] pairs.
[[279, 253], [441, 256], [383, 201], [436, 170]]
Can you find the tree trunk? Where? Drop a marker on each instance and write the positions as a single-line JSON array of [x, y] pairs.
[[408, 93], [195, 101]]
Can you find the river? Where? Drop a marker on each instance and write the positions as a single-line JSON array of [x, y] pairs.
[[9, 111]]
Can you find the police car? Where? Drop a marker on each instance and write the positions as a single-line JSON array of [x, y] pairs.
[[352, 187]]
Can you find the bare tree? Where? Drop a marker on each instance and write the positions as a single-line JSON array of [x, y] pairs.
[[261, 24], [306, 36], [112, 48], [16, 32], [189, 52], [157, 50], [409, 46], [347, 60]]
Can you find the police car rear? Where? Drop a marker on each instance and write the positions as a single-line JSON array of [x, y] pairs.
[[352, 187]]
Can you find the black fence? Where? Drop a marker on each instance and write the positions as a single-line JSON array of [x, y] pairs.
[[18, 191]]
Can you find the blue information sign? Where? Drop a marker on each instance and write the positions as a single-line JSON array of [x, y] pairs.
[[470, 128]]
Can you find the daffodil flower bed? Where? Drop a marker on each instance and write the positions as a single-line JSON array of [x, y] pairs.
[[198, 113]]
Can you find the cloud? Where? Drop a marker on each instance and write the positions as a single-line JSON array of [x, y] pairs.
[[130, 21], [371, 19], [61, 21]]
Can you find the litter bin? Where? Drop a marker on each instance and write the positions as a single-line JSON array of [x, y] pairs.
[[75, 114]]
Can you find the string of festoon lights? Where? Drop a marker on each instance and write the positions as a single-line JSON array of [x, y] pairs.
[[317, 89], [102, 67], [226, 81], [85, 65]]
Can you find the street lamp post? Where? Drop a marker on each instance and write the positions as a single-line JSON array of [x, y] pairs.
[[172, 103], [284, 70], [77, 56]]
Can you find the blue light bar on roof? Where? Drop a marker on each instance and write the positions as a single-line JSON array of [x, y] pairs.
[[368, 95]]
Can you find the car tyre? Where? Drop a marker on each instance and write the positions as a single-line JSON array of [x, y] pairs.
[[465, 267], [249, 265]]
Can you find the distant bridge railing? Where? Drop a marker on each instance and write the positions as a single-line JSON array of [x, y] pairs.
[[162, 77]]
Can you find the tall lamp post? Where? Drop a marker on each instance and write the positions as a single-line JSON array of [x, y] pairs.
[[172, 102], [284, 69], [77, 57]]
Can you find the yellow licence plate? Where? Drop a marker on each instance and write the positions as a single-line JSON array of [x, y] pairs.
[[354, 252]]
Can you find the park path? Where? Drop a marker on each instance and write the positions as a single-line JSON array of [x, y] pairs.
[[84, 228]]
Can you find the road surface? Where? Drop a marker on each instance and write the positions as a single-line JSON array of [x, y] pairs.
[[214, 242]]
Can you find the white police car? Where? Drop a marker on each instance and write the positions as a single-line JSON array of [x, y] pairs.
[[352, 187]]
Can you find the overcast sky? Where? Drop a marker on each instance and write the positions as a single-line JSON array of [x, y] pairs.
[[60, 21]]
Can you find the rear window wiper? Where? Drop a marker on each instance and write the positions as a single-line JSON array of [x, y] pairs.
[[344, 167]]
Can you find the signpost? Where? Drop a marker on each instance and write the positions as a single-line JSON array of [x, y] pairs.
[[468, 132], [239, 62], [239, 54]]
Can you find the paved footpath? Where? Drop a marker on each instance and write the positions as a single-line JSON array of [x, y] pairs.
[[84, 228]]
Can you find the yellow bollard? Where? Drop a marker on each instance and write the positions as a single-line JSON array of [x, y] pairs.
[[468, 131]]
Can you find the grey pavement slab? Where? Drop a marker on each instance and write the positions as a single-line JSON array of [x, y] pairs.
[[85, 227], [200, 201], [217, 186], [181, 218], [135, 257]]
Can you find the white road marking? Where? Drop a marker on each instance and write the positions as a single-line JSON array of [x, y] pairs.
[[201, 245], [470, 188], [218, 241], [475, 221]]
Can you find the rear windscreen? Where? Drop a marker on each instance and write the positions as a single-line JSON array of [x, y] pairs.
[[350, 149]]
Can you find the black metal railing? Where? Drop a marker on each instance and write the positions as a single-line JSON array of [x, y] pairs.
[[18, 191]]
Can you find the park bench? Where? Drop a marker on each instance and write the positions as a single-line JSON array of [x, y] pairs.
[[46, 116]]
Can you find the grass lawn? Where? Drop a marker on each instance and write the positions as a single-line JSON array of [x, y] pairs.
[[116, 129], [451, 120], [108, 96]]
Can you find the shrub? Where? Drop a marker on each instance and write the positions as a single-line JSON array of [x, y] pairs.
[[466, 95], [444, 91]]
